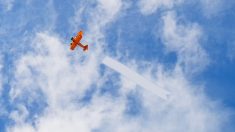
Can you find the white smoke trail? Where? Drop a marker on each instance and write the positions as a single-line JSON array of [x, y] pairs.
[[138, 79]]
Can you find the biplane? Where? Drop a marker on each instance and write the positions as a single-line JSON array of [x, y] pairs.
[[76, 42]]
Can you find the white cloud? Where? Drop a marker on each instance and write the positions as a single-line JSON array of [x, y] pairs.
[[150, 6], [53, 66], [24, 16], [105, 12], [61, 81], [72, 119], [22, 128], [212, 7], [1, 79], [7, 4], [2, 108], [63, 77], [231, 51], [184, 39], [50, 68], [188, 108], [20, 114], [110, 7], [209, 8]]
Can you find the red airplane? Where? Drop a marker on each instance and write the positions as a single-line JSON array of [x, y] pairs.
[[76, 41]]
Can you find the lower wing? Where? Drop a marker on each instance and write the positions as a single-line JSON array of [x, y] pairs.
[[73, 46]]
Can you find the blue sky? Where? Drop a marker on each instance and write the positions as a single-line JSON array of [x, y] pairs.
[[186, 47]]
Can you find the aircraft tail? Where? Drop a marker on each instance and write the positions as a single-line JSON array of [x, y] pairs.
[[85, 48]]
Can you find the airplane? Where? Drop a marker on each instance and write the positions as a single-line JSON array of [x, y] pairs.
[[76, 42]]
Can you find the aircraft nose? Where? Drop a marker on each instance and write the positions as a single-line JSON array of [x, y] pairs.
[[80, 33]]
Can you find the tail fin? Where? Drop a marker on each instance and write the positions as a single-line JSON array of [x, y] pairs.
[[85, 48]]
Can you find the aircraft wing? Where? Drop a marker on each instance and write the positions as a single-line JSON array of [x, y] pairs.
[[73, 45]]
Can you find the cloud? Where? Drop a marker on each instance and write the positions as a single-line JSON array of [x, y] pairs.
[[212, 7], [105, 12], [20, 114], [72, 119], [184, 38], [187, 108], [150, 6], [49, 68], [231, 51], [2, 108], [52, 75], [209, 8], [1, 67], [7, 4], [38, 20]]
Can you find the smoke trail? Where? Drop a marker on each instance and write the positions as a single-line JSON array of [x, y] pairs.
[[138, 79]]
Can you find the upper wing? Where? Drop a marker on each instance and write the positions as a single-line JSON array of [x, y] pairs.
[[76, 40], [78, 37], [80, 33]]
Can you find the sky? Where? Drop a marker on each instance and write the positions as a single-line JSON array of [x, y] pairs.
[[137, 49]]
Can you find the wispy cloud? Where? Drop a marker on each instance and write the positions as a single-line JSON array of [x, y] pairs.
[[1, 85], [6, 4], [1, 66], [231, 51], [150, 6], [184, 39], [211, 8]]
